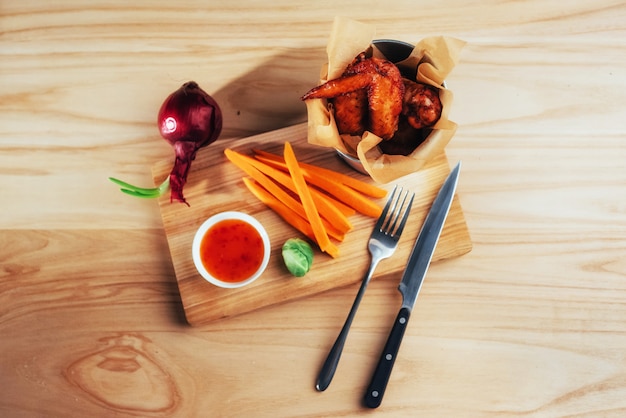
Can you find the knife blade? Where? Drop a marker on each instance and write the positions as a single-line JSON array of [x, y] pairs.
[[411, 284]]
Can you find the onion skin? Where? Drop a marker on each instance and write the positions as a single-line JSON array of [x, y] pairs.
[[189, 119]]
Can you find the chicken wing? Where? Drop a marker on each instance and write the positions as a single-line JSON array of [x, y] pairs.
[[351, 112], [421, 105], [351, 109], [382, 83]]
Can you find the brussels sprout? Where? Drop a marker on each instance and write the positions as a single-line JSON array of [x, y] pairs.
[[298, 256]]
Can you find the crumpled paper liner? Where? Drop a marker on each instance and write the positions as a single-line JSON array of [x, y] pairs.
[[431, 60]]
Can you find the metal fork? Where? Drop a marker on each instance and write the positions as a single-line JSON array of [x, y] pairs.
[[382, 243]]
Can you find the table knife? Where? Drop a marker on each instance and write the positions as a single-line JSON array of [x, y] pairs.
[[411, 284]]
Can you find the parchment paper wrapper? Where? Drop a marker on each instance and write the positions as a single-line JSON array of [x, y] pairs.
[[431, 60]]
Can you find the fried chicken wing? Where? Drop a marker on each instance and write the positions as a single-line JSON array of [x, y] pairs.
[[351, 111], [421, 104], [380, 82]]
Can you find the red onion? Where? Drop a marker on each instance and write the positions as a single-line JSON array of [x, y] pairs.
[[189, 119]]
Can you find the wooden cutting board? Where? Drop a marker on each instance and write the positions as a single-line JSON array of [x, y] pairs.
[[215, 185]]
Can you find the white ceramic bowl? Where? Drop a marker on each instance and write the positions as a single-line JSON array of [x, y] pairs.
[[211, 222]]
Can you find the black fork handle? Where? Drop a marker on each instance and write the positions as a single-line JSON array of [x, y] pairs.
[[330, 365]]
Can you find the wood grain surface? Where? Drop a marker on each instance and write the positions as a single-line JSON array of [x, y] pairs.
[[215, 185], [530, 323]]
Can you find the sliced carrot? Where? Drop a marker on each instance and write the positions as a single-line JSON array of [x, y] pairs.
[[321, 236], [251, 166], [280, 208], [313, 170], [330, 200], [284, 212], [330, 208], [327, 209], [347, 195], [280, 194]]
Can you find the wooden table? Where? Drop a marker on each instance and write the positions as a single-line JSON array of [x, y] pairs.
[[531, 323]]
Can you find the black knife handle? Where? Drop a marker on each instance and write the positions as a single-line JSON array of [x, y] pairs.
[[376, 388]]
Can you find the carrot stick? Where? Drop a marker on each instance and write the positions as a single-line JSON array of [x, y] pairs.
[[340, 191], [330, 200], [297, 210], [313, 170], [279, 193], [312, 213], [327, 209], [252, 166], [280, 208], [284, 212]]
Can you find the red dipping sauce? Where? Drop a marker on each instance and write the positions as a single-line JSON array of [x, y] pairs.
[[232, 250]]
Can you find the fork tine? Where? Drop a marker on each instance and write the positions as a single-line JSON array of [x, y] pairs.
[[406, 214], [383, 215], [397, 211], [393, 212]]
